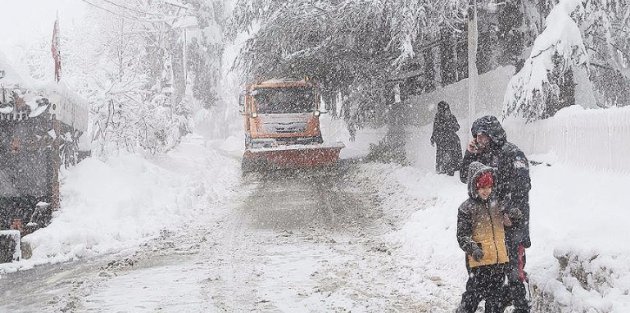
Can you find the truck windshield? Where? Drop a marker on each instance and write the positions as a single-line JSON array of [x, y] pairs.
[[284, 100]]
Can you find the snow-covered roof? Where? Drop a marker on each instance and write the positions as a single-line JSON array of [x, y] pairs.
[[9, 77], [68, 106]]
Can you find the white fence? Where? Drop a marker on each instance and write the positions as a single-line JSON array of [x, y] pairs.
[[593, 138], [597, 139]]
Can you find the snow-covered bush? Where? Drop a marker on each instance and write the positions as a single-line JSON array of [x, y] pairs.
[[586, 281]]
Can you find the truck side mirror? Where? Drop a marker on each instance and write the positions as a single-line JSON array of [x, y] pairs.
[[241, 103]]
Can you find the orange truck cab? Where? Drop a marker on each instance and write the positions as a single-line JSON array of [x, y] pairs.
[[282, 129]]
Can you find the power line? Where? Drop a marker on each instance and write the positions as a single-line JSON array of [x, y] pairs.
[[128, 8], [160, 18], [114, 13]]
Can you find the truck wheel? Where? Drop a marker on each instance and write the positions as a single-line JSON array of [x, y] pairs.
[[246, 166]]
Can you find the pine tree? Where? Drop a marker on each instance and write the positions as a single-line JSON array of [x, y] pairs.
[[588, 33], [606, 29]]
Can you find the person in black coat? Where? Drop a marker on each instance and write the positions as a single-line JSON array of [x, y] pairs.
[[449, 148], [490, 147]]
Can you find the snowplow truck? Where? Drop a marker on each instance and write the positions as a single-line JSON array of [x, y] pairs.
[[282, 129]]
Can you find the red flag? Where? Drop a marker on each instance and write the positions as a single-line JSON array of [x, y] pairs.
[[54, 48]]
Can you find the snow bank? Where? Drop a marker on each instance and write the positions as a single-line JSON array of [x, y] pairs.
[[579, 257], [105, 204], [579, 217], [579, 260], [109, 206], [428, 236], [335, 129]]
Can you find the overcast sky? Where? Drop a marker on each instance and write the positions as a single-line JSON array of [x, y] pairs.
[[27, 20]]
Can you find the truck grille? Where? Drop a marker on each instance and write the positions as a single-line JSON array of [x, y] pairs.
[[284, 128]]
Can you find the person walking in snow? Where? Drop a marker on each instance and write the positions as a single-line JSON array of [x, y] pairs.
[[481, 235], [490, 147], [449, 148]]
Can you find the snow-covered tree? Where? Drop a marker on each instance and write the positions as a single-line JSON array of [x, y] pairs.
[[351, 47], [205, 49], [578, 33], [145, 67], [606, 29]]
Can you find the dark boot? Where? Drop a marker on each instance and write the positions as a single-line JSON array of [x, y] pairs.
[[518, 295]]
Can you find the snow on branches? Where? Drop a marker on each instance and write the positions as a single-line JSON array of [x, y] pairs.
[[557, 49]]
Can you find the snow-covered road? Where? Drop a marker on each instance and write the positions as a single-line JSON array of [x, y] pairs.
[[286, 242]]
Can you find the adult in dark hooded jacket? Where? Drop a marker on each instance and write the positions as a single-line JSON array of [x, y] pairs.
[[490, 147], [449, 148]]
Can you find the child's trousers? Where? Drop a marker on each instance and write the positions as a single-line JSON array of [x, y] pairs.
[[485, 283]]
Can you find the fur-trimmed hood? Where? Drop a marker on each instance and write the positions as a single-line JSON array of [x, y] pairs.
[[474, 171]]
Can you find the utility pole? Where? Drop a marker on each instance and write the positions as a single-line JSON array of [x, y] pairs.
[[472, 59]]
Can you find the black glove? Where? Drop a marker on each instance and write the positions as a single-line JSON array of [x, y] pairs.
[[515, 214], [477, 254]]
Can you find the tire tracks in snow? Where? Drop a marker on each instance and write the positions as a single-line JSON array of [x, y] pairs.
[[284, 243], [312, 243]]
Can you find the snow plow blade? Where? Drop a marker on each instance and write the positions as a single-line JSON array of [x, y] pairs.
[[291, 157]]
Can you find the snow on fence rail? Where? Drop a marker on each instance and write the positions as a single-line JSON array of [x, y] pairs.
[[596, 138]]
